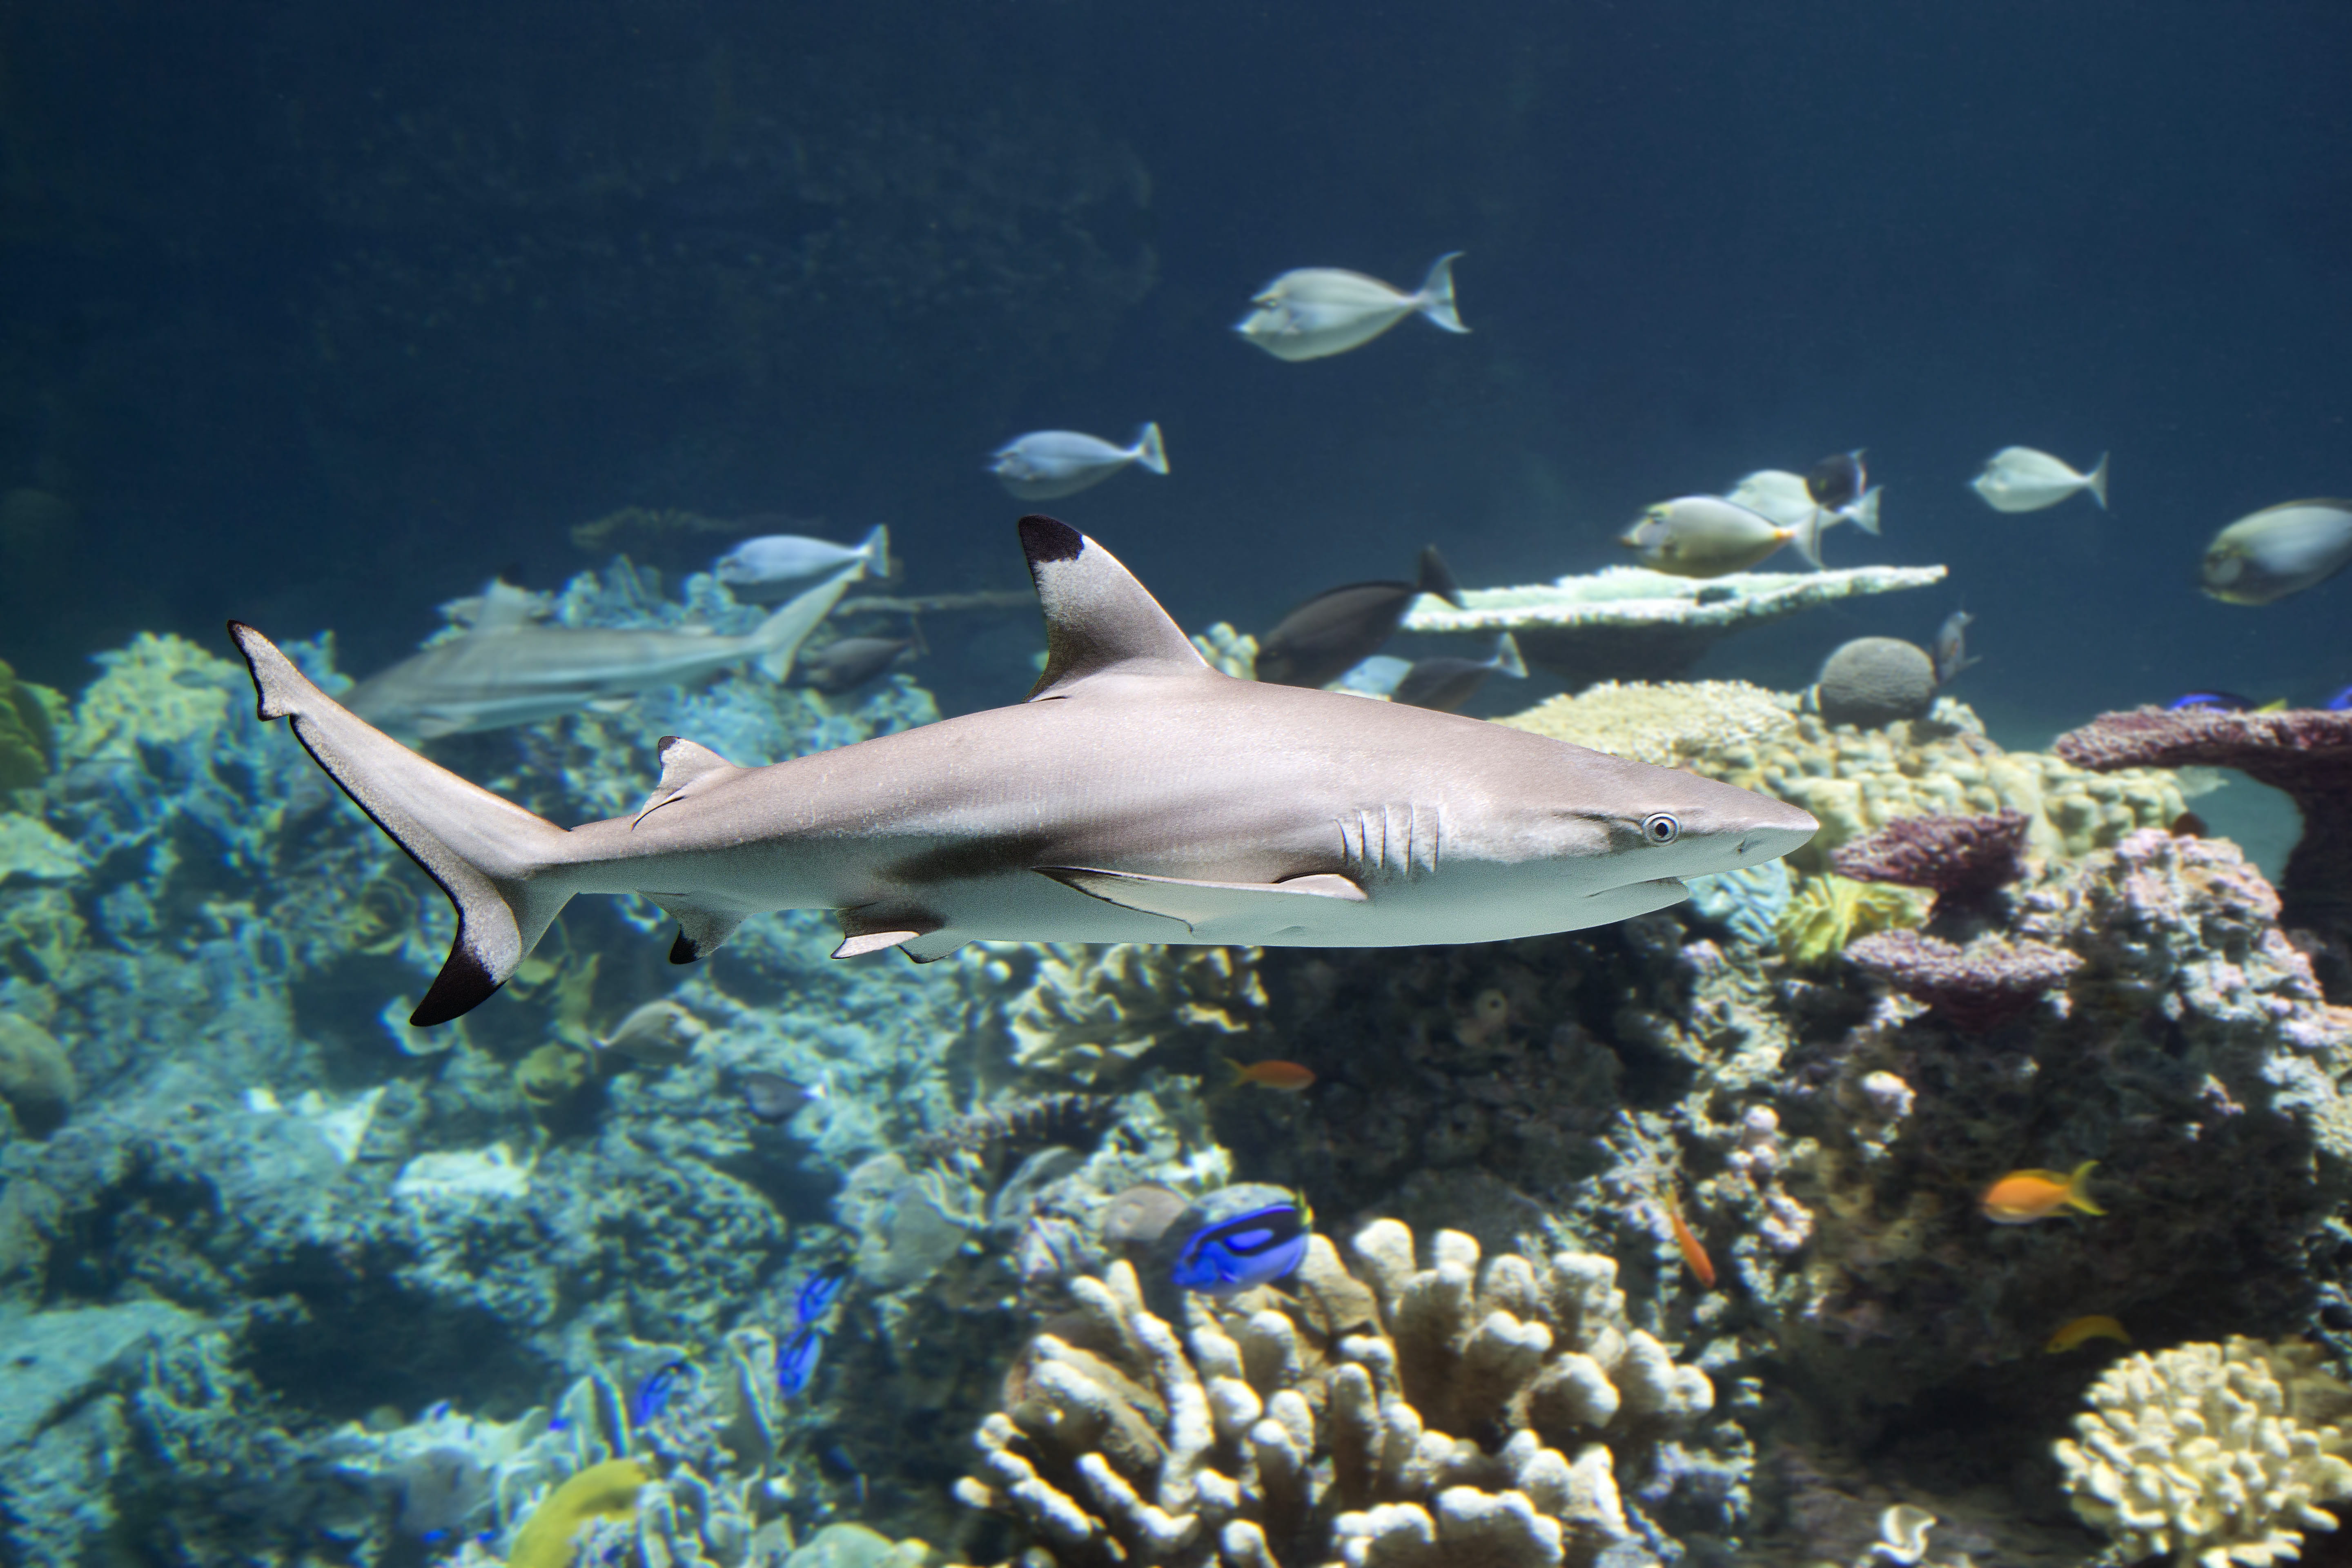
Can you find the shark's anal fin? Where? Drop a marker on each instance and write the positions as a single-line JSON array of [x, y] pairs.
[[1097, 616], [872, 930], [1236, 909], [701, 927], [686, 769]]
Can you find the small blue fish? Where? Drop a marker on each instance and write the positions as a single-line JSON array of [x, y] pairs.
[[2341, 702], [2220, 701], [761, 569], [1253, 1248], [796, 1362], [653, 1394], [818, 1295], [1046, 464]]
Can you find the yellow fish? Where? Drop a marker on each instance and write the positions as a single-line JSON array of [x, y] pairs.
[[2023, 1197], [2097, 1326]]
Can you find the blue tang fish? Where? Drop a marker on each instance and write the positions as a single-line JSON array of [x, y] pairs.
[[818, 1295], [653, 1394], [2220, 701], [2341, 702], [1240, 1237], [796, 1362]]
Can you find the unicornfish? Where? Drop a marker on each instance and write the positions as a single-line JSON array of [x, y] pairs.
[[1137, 795]]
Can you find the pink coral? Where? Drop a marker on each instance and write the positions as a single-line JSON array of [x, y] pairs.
[[1963, 859], [1985, 983]]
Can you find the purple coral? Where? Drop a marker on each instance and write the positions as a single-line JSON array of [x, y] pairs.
[[1963, 859], [2305, 751], [1985, 983]]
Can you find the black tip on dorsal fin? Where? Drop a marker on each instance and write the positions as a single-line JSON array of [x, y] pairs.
[[1097, 616], [1437, 577]]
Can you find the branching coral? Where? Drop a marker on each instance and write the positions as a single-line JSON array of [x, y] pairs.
[[2213, 1453], [1980, 987], [1399, 1415], [1087, 1015]]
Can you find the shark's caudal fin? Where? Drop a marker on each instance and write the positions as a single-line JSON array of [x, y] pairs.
[[1097, 616], [490, 855], [781, 634]]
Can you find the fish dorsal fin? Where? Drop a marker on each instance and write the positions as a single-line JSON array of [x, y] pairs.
[[1097, 616]]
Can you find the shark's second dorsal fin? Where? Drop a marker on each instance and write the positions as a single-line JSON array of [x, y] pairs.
[[1097, 616], [685, 766]]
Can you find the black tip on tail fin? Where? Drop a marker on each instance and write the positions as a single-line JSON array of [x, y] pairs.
[[1437, 577], [463, 984]]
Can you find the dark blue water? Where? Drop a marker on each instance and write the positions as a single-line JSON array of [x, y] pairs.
[[320, 319]]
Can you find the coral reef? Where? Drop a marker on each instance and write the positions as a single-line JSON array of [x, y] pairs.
[[1664, 724], [2214, 1453], [1874, 682], [1827, 912], [1980, 987], [36, 1081], [1628, 624], [1961, 859], [28, 737], [2306, 753], [1401, 1413], [1090, 1014]]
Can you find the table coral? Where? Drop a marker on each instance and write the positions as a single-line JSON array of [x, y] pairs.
[[1961, 859], [1980, 987], [1455, 1412], [2215, 1454]]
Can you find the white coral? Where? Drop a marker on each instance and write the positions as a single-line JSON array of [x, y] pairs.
[[2215, 1453]]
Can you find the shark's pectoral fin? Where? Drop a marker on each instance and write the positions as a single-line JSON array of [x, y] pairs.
[[863, 931], [700, 927], [687, 768], [1216, 911]]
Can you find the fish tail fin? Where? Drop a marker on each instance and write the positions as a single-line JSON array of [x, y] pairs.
[[1436, 577], [1437, 295], [2095, 481], [1149, 449], [1807, 536], [779, 637], [1507, 656], [490, 855], [1865, 510], [874, 551], [2077, 1191]]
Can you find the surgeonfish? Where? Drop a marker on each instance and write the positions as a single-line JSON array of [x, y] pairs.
[[1320, 310], [2341, 702], [1331, 633], [817, 1295], [849, 663], [504, 670], [657, 1034], [2278, 551], [1706, 536], [1284, 1078], [2083, 1330], [653, 1394], [1237, 1238], [1951, 649], [1045, 464], [1788, 500], [2023, 1197], [797, 1360], [1837, 480], [2222, 702], [761, 570], [1445, 684], [772, 1097], [2019, 479]]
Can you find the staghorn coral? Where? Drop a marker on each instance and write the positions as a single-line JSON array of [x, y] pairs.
[[1400, 1414], [2215, 1454], [1087, 1013], [1873, 681], [1962, 859], [1980, 987], [1664, 724]]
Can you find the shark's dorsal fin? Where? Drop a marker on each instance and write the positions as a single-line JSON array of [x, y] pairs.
[[1097, 616], [504, 608]]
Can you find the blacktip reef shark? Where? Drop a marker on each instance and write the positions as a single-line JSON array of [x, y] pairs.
[[1137, 795], [505, 670]]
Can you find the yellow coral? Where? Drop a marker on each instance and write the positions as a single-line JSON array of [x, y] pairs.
[[1829, 911], [159, 688], [1667, 723], [549, 1537], [2214, 1453]]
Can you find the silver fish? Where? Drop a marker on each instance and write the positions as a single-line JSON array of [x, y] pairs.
[[504, 670], [1139, 795], [1708, 536], [1045, 464], [1952, 645], [1320, 311], [2278, 551], [1788, 500], [2019, 479], [762, 570]]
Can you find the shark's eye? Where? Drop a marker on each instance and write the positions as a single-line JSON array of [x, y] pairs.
[[1660, 827]]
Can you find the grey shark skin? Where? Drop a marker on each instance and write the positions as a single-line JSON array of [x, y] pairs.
[[505, 671], [1137, 795]]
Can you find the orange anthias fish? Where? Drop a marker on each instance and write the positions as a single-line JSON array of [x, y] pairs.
[[1695, 1258], [2097, 1326], [2023, 1197], [1285, 1077]]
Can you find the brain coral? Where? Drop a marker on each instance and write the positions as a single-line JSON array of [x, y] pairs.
[[2213, 1453], [1872, 681], [1399, 1414]]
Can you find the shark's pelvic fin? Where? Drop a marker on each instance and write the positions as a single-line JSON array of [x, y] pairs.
[[700, 927], [491, 855], [687, 769], [1097, 616], [1260, 909]]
